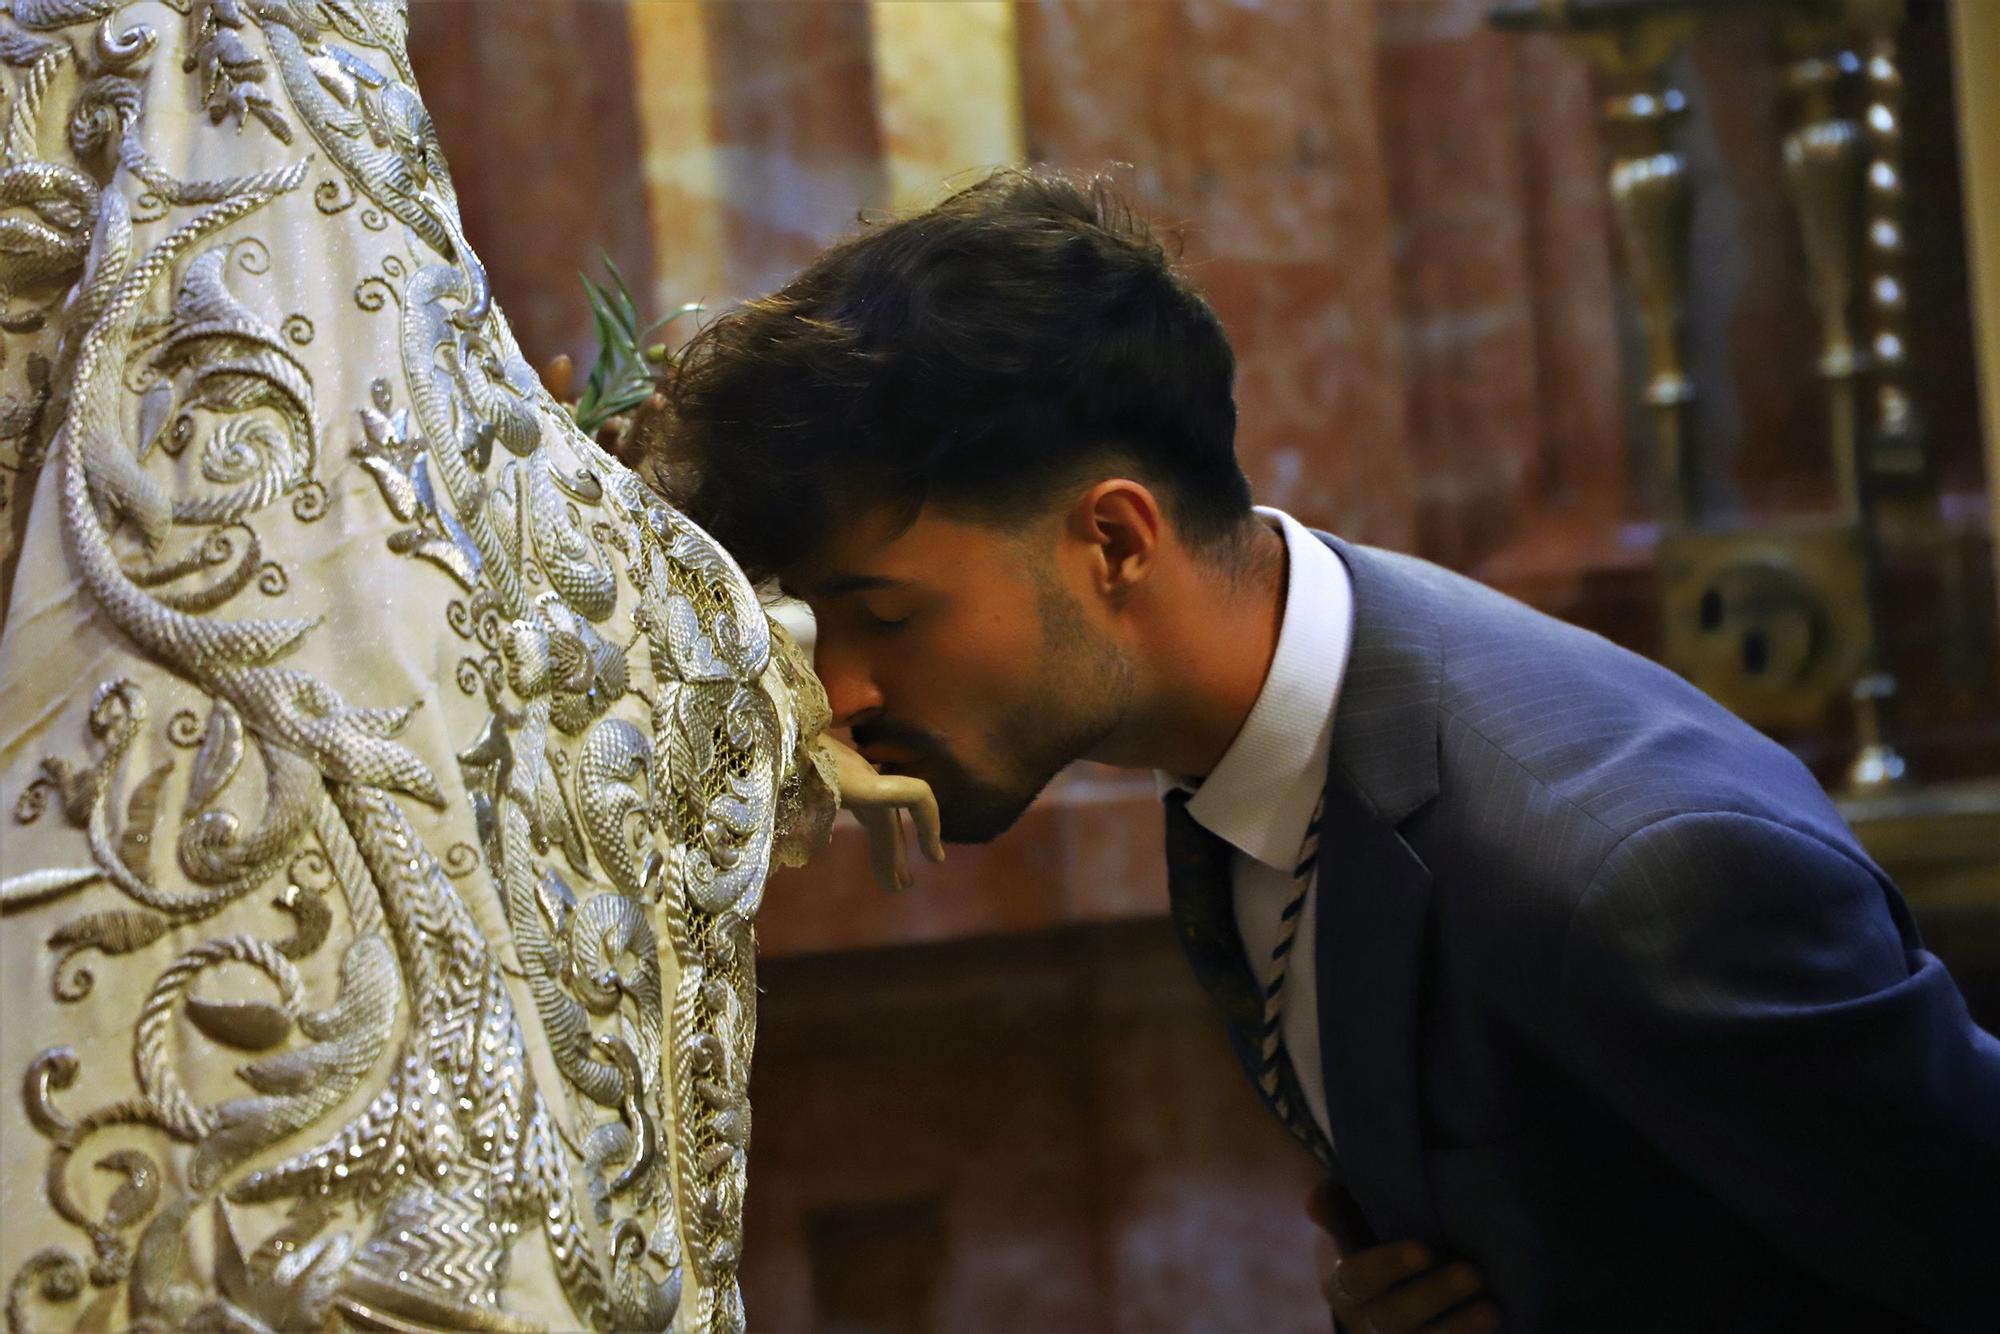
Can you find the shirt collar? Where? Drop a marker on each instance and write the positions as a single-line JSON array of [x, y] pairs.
[[1262, 793]]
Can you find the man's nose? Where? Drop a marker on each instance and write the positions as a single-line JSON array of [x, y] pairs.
[[851, 692]]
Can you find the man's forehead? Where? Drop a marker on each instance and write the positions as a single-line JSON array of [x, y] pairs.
[[883, 549], [853, 558], [839, 583]]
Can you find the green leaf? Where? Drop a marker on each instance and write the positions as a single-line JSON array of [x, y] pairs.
[[622, 378]]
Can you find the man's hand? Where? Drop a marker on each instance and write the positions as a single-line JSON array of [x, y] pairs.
[[879, 802], [1399, 1288]]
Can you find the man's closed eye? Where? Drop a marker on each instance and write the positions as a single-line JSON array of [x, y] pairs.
[[880, 619]]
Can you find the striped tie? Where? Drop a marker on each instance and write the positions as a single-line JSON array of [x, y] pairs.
[[1271, 1038], [1199, 882]]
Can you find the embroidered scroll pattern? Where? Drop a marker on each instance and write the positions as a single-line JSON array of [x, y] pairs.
[[386, 1143]]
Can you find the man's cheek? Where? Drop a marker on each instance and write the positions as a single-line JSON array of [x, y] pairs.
[[922, 680]]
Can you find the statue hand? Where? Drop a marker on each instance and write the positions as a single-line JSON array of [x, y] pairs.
[[878, 800]]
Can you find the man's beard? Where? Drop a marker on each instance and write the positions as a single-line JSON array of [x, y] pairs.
[[1080, 694], [971, 809]]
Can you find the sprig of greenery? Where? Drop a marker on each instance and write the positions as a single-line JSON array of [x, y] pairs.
[[623, 376]]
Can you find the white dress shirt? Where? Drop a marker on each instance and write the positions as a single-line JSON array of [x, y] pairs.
[[1261, 796]]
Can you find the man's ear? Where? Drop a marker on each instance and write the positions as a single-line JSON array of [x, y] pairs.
[[1122, 525]]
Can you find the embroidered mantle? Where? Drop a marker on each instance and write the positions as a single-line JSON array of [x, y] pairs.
[[392, 776]]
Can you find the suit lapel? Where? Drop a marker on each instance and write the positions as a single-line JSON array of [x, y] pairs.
[[1374, 894]]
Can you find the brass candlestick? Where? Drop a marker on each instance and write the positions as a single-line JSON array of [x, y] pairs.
[[1823, 167], [1650, 200], [1843, 160], [1628, 48], [1775, 620], [1895, 455]]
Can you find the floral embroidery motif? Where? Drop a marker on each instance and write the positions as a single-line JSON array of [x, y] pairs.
[[510, 1001]]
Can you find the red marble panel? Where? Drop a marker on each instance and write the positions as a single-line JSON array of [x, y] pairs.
[[1246, 128], [1092, 75], [1582, 466], [545, 158], [1252, 77], [1114, 852], [1319, 434], [1449, 107], [673, 98], [1067, 1106], [1754, 337], [795, 131], [1089, 851], [937, 1076], [1201, 1194], [1012, 884], [442, 50]]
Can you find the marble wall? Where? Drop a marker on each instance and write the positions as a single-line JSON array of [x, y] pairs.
[[1038, 1133], [1023, 1117], [1397, 210], [535, 104], [1408, 262], [1254, 132]]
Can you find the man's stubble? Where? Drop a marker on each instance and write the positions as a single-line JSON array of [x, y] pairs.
[[1078, 693]]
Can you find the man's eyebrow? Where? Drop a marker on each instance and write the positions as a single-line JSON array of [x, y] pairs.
[[839, 585]]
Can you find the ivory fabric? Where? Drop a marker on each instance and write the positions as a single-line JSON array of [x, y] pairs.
[[388, 778]]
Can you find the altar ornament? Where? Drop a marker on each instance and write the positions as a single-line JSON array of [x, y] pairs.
[[1779, 621]]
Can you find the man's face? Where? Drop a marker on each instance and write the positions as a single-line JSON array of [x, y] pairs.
[[965, 655]]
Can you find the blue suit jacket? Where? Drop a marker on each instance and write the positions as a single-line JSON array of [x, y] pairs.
[[1613, 1005]]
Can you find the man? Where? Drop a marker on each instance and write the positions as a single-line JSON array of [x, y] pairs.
[[1589, 1003]]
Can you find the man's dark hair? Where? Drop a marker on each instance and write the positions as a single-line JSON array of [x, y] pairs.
[[978, 356]]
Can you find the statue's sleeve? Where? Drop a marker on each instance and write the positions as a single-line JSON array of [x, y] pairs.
[[388, 778], [809, 797]]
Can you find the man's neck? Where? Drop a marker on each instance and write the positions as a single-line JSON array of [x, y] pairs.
[[1213, 658]]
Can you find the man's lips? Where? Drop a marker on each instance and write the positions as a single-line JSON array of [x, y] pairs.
[[884, 756]]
